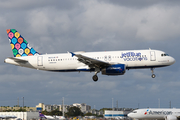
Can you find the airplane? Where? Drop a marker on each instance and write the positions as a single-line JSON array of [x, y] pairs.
[[60, 117], [7, 117], [51, 117], [156, 113], [45, 116], [108, 62]]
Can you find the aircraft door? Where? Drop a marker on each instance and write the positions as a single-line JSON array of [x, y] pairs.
[[152, 56], [40, 60]]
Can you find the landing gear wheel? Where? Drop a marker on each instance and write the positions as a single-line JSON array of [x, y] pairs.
[[95, 78], [153, 75]]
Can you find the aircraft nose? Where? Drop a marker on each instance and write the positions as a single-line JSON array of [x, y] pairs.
[[129, 115], [172, 60]]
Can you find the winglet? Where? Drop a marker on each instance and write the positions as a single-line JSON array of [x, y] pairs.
[[72, 54]]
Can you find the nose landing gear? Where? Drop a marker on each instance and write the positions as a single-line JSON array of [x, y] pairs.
[[153, 75]]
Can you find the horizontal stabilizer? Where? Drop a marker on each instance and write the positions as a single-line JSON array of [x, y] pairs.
[[18, 60]]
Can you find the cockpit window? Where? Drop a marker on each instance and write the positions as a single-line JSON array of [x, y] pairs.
[[164, 55], [134, 111]]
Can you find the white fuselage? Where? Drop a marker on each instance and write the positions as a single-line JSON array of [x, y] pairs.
[[150, 113], [66, 62]]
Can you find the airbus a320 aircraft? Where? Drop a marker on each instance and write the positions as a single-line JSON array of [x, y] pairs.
[[163, 114], [108, 63]]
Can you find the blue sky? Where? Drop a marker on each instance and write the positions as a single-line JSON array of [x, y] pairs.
[[96, 25]]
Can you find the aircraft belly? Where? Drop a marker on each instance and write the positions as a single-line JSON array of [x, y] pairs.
[[154, 117]]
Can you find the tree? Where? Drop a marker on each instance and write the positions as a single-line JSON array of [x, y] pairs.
[[56, 112], [45, 112], [89, 114], [21, 110], [74, 111]]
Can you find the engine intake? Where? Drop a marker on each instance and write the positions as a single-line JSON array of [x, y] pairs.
[[118, 69]]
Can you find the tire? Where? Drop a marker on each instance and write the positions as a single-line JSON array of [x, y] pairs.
[[153, 75], [95, 78]]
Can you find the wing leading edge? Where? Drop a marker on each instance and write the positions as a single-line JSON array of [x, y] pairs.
[[91, 62]]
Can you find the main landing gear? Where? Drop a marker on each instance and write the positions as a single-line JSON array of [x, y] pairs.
[[95, 77], [153, 75]]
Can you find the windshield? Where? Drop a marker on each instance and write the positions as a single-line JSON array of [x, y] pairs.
[[164, 54], [134, 111]]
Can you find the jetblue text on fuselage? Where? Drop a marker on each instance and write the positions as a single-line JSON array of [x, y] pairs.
[[132, 56]]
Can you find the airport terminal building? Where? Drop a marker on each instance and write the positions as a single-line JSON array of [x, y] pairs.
[[115, 114]]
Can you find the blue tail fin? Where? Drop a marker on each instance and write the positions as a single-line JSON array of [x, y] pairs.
[[19, 45]]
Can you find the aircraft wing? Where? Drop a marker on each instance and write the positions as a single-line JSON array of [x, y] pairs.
[[91, 62], [18, 60]]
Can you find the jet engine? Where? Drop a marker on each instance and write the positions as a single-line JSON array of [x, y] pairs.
[[117, 69]]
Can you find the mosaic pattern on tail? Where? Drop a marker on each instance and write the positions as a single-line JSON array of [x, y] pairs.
[[19, 45]]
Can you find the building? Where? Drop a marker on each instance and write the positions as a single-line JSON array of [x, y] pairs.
[[48, 108], [7, 108], [42, 107], [84, 108], [115, 114], [22, 115]]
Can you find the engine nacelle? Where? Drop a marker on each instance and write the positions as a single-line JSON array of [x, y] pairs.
[[118, 69], [171, 117]]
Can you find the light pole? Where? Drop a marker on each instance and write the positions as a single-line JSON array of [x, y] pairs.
[[23, 108], [112, 107], [63, 107]]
